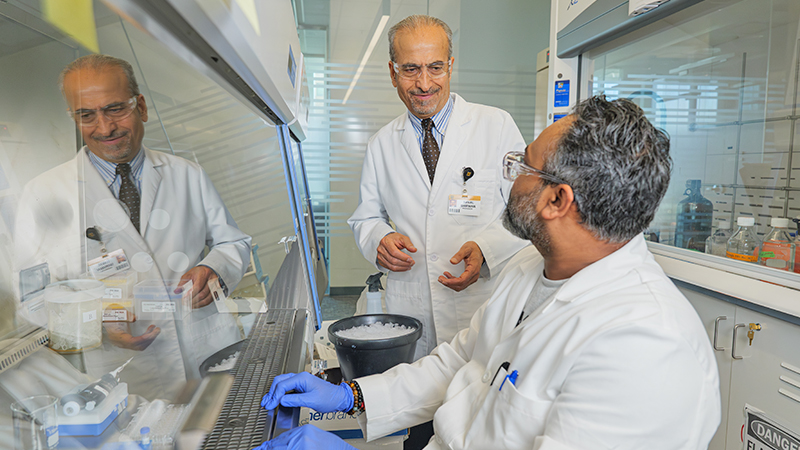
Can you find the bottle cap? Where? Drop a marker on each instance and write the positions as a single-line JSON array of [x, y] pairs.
[[144, 430], [779, 222], [746, 221], [724, 225]]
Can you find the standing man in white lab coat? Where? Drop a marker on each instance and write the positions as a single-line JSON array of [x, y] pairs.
[[585, 344], [434, 172], [158, 213]]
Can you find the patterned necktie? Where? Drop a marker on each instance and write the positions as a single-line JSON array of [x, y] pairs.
[[128, 193], [430, 149]]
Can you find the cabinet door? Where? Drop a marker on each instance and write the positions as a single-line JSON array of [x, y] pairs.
[[768, 375], [709, 309]]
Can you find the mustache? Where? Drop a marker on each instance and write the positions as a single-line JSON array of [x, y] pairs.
[[112, 136], [432, 90]]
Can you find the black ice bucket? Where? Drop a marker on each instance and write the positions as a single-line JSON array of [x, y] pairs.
[[359, 357]]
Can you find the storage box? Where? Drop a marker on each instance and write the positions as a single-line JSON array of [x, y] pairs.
[[118, 298]]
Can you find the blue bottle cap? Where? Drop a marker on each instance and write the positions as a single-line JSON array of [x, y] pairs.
[[144, 430]]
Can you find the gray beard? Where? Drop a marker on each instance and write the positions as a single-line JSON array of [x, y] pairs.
[[522, 220]]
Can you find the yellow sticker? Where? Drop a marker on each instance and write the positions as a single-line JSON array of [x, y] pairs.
[[75, 18]]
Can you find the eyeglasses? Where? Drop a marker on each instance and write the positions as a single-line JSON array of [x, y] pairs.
[[413, 71], [113, 112], [514, 166]]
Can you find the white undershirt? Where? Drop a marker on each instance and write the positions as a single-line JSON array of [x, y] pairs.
[[543, 291]]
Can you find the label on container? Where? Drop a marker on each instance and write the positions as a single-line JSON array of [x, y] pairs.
[[115, 315], [776, 256], [113, 293], [158, 307], [89, 316], [740, 257]]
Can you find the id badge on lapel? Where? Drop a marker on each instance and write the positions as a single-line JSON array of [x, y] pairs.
[[109, 264], [464, 204]]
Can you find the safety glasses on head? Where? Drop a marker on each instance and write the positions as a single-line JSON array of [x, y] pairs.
[[113, 112], [514, 166], [435, 70]]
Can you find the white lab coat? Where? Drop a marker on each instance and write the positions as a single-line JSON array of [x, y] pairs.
[[395, 184], [181, 213], [618, 359]]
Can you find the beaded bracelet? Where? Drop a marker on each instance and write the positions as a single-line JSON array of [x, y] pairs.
[[358, 399]]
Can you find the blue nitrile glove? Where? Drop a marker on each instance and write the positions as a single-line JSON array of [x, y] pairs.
[[306, 437], [312, 392]]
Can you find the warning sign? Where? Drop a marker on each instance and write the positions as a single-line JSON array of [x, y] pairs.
[[763, 433]]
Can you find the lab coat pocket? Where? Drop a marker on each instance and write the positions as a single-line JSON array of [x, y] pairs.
[[404, 297], [484, 185], [507, 416]]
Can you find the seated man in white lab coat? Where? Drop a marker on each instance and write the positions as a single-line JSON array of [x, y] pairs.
[[583, 344], [154, 213]]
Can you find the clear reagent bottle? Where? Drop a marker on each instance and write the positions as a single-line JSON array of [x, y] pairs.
[[744, 245], [717, 243], [778, 248]]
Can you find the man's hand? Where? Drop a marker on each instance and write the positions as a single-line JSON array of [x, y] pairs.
[[200, 276], [119, 335], [390, 254], [306, 437], [472, 256]]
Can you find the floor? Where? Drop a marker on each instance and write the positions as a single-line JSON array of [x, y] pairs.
[[338, 307]]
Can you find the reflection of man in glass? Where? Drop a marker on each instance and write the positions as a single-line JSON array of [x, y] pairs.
[[162, 211]]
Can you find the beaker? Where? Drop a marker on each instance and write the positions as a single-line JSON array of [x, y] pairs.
[[35, 423]]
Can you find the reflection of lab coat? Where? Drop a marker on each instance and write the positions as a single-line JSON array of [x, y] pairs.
[[618, 359], [181, 214], [395, 184]]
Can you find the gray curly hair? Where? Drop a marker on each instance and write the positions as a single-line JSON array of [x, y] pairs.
[[618, 165]]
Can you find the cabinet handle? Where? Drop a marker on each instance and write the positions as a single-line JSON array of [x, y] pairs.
[[733, 349], [716, 332]]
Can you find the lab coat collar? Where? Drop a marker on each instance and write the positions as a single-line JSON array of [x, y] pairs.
[[606, 271], [453, 138]]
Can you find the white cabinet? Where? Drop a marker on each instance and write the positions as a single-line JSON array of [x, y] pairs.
[[768, 374]]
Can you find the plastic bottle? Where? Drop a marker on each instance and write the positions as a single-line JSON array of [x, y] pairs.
[[717, 243], [145, 441], [744, 245], [778, 248], [693, 223], [90, 396], [374, 305]]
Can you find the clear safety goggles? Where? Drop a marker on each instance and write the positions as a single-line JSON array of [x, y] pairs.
[[413, 71], [514, 166], [113, 112]]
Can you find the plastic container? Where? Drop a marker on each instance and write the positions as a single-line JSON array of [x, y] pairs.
[[359, 358], [778, 248], [74, 314], [374, 304], [744, 245], [693, 223], [118, 297], [156, 299], [717, 243]]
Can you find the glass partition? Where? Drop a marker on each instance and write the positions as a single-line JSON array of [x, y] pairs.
[[722, 80], [207, 188]]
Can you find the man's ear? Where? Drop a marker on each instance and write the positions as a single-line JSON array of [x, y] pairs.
[[392, 74], [560, 200]]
